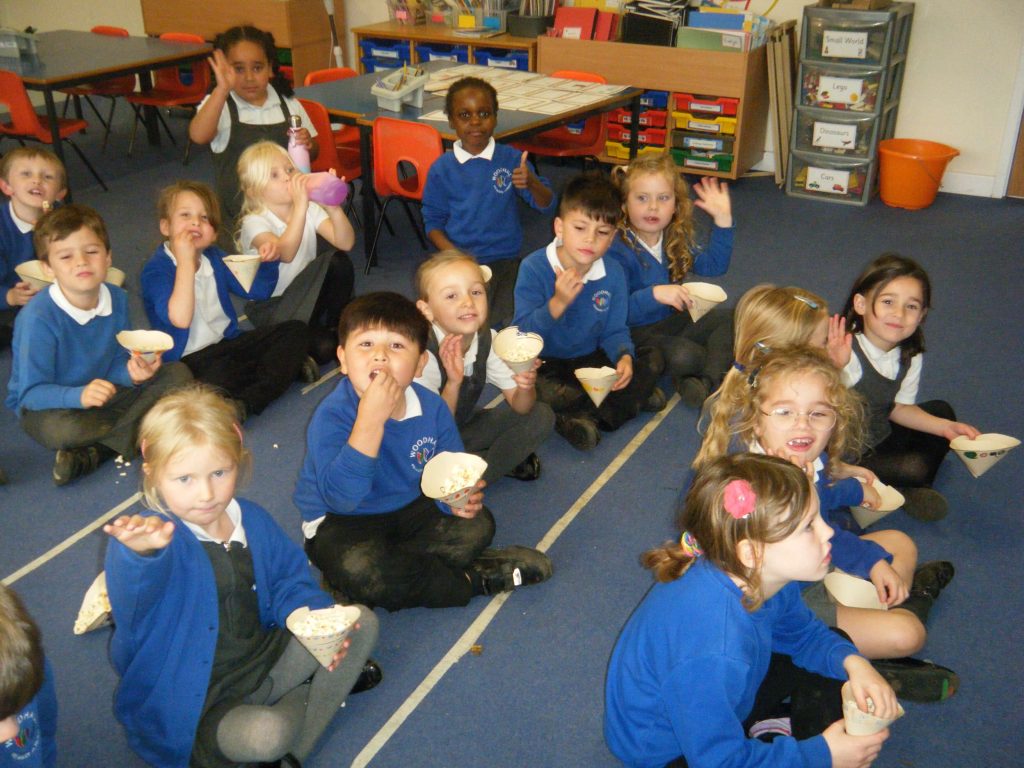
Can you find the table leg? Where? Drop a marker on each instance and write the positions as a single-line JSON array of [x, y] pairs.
[[149, 114], [369, 209], [58, 145]]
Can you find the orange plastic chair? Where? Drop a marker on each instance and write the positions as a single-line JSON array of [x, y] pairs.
[[344, 161], [114, 88], [347, 135], [399, 145], [25, 123], [171, 91], [561, 141]]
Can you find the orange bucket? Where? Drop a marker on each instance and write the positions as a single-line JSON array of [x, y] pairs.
[[911, 171]]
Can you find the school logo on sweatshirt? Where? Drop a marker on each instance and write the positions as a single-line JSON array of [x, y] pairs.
[[421, 452], [602, 300], [25, 745], [502, 179]]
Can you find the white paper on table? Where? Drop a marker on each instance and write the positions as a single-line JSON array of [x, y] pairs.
[[580, 98], [518, 74], [549, 108], [608, 89], [524, 105], [526, 89], [437, 114], [438, 86], [552, 83]]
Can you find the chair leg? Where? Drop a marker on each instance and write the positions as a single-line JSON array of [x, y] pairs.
[[166, 127], [92, 106], [372, 258], [417, 227], [87, 164], [110, 123]]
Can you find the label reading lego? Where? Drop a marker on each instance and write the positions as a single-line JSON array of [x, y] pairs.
[[840, 90], [838, 43], [834, 135], [828, 180]]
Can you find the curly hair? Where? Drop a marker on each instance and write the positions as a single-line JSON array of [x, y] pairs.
[[226, 40], [465, 83], [783, 496], [678, 244]]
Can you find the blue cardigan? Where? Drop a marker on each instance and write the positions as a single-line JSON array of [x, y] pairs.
[[686, 669], [15, 248], [35, 746], [166, 623]]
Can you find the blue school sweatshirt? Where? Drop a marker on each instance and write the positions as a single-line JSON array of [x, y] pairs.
[[35, 746], [15, 248], [850, 552]]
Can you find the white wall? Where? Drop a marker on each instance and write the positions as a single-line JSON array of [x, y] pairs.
[[962, 86]]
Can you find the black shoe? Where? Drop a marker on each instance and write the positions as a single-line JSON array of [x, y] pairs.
[[72, 463], [369, 678], [288, 761], [693, 390], [310, 371], [918, 680], [652, 359], [925, 504], [527, 469], [502, 570], [932, 577], [580, 431], [655, 402]]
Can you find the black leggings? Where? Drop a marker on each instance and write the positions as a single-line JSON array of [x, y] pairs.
[[908, 458]]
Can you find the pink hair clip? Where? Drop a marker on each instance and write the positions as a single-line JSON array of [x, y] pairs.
[[739, 499]]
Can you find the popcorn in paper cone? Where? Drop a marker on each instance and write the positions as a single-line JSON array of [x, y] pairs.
[[853, 592], [983, 452], [32, 273], [891, 500], [451, 477], [243, 266], [597, 382], [860, 723], [145, 343], [95, 610], [705, 298], [518, 349], [322, 631]]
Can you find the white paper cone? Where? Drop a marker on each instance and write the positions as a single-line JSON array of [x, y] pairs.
[[983, 452], [322, 631], [486, 272], [95, 610], [853, 592], [517, 349], [891, 500], [451, 477], [244, 268], [597, 382], [32, 273], [705, 298], [860, 723], [145, 343], [116, 277]]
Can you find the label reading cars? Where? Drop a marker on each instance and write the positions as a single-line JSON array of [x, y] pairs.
[[834, 135], [828, 180], [838, 43], [840, 90]]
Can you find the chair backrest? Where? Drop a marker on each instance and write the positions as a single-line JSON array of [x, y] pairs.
[[170, 79], [327, 75], [101, 29], [327, 157], [402, 141], [24, 120], [593, 128], [126, 83]]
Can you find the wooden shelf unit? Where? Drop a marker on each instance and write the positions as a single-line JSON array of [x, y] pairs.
[[688, 70], [435, 33], [298, 25]]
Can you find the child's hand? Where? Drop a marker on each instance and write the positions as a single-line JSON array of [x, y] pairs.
[[142, 370], [300, 193], [624, 369], [568, 285], [474, 505], [19, 294], [521, 175], [528, 379], [713, 198], [872, 498], [303, 138], [96, 393], [141, 534], [450, 352], [223, 71], [675, 296], [806, 466], [840, 343], [892, 590], [269, 251], [840, 470], [183, 246], [853, 751], [381, 398], [867, 683], [954, 429]]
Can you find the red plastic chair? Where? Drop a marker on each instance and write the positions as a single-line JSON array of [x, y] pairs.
[[114, 88], [561, 142], [399, 145], [347, 135], [170, 90], [25, 123]]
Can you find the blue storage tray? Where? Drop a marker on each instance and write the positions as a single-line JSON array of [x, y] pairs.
[[443, 52], [503, 58], [395, 50]]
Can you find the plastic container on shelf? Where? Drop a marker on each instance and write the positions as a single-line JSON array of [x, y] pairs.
[[503, 58], [703, 142], [650, 118], [654, 99], [620, 151], [856, 37], [834, 178], [857, 89], [400, 87], [687, 121], [397, 50], [654, 137], [442, 52], [373, 64], [719, 105], [835, 132], [702, 161], [911, 171]]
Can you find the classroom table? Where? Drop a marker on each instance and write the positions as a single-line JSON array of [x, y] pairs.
[[65, 58], [350, 101]]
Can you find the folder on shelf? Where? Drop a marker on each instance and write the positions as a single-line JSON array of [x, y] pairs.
[[606, 26], [647, 30], [575, 23]]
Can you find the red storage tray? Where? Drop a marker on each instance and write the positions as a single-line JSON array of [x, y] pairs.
[[645, 136], [651, 118], [719, 105]]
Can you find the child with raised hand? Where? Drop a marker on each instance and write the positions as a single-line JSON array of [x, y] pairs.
[[185, 290], [907, 441], [200, 591], [75, 389], [470, 199], [578, 301], [368, 526], [28, 702], [796, 407], [656, 248], [34, 180], [453, 297], [723, 637], [251, 101], [281, 224]]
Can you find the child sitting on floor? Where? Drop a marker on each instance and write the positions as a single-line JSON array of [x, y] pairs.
[[75, 389], [453, 297], [369, 528]]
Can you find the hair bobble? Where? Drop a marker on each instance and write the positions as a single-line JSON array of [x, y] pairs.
[[690, 545], [740, 499]]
